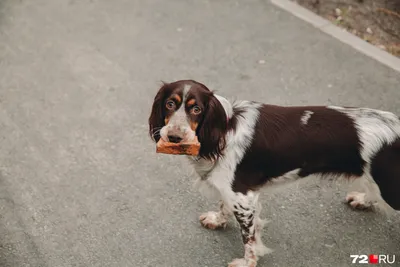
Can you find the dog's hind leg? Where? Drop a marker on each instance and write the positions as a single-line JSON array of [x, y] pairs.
[[385, 170], [367, 194], [216, 219]]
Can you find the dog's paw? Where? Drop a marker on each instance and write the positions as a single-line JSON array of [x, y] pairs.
[[213, 220], [243, 263], [358, 200]]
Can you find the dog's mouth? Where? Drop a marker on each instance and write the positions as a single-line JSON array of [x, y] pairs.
[[174, 139]]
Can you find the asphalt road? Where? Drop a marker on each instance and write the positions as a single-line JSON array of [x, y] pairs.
[[80, 183]]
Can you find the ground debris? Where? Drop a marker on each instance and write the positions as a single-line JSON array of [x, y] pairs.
[[375, 21]]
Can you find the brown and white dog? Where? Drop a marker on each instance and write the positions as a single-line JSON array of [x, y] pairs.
[[248, 145]]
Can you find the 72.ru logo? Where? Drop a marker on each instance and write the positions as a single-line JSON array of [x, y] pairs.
[[373, 259]]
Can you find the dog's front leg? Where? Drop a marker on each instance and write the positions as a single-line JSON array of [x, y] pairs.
[[246, 210]]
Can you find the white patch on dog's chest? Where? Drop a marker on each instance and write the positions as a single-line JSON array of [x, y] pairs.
[[201, 166]]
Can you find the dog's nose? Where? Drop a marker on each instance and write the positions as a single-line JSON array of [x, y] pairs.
[[174, 138]]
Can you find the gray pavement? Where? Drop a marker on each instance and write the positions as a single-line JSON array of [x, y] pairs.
[[80, 183]]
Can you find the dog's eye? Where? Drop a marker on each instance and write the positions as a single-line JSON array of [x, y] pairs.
[[196, 110], [170, 104]]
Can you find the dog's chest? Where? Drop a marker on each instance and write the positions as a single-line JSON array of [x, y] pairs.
[[202, 167]]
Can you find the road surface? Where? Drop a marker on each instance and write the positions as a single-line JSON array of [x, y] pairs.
[[81, 184]]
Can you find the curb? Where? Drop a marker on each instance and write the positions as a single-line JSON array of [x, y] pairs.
[[343, 36]]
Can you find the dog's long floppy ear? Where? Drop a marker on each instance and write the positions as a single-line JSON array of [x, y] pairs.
[[213, 128], [156, 119]]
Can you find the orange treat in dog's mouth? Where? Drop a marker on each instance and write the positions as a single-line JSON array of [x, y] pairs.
[[184, 148]]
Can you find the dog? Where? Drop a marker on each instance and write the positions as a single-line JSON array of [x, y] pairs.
[[246, 146]]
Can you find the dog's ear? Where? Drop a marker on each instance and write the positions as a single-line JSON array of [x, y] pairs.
[[156, 119], [213, 128]]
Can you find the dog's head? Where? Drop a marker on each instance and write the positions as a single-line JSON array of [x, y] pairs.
[[185, 109]]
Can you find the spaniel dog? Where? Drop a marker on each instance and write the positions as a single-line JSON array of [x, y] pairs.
[[246, 146]]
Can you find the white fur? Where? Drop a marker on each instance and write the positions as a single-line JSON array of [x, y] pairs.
[[226, 105], [372, 129], [306, 116], [213, 219], [357, 199], [243, 263], [260, 248], [239, 141], [365, 193], [186, 89]]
